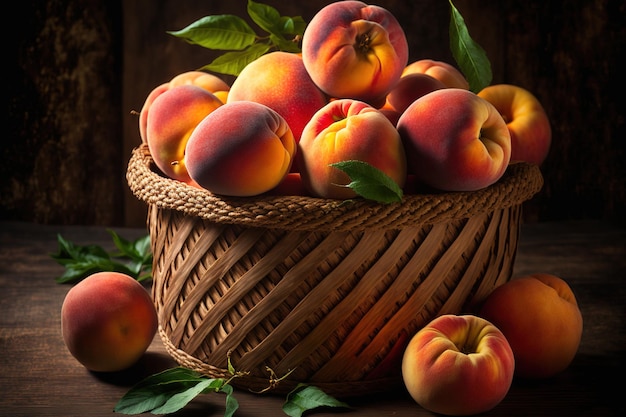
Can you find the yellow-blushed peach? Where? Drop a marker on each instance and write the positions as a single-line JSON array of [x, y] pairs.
[[344, 130], [241, 149], [145, 109], [458, 365], [528, 123], [444, 72], [210, 82], [355, 50], [410, 88], [455, 140], [108, 321], [540, 318], [171, 119], [280, 81]]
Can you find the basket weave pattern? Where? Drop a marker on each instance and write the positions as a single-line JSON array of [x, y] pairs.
[[328, 290]]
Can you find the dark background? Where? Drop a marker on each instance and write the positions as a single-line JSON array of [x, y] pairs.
[[79, 68]]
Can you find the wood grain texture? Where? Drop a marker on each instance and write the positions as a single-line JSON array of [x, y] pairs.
[[38, 377]]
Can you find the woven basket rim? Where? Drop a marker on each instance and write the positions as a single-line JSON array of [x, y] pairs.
[[520, 182]]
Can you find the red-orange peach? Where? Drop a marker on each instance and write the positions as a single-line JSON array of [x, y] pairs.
[[528, 123], [108, 321], [410, 88], [241, 149], [455, 140], [344, 130], [143, 115], [540, 318], [280, 81], [444, 72], [172, 117], [458, 365], [355, 50], [211, 83]]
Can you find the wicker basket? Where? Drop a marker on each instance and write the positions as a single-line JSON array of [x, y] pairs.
[[327, 290]]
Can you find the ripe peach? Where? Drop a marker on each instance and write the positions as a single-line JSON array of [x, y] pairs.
[[343, 130], [355, 50], [241, 149], [143, 114], [280, 81], [410, 88], [540, 318], [209, 82], [173, 115], [531, 134], [458, 365], [108, 321], [444, 72], [455, 140]]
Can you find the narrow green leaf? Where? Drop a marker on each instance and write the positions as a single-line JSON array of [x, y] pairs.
[[305, 398], [285, 44], [222, 32], [232, 63], [369, 182], [181, 399], [469, 55], [267, 17], [293, 26], [231, 403], [155, 391]]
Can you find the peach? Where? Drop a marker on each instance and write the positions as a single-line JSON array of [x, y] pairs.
[[355, 50], [280, 81], [458, 365], [540, 318], [241, 149], [173, 115], [209, 82], [343, 130], [455, 140], [143, 114], [528, 123], [410, 88], [442, 71], [108, 321]]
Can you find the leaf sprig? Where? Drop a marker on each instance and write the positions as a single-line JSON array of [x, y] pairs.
[[133, 258], [171, 390], [233, 34]]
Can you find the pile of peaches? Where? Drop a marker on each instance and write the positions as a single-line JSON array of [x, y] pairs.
[[350, 95]]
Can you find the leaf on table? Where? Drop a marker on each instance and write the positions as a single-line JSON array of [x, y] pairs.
[[469, 55], [132, 258], [305, 398], [169, 391], [369, 182]]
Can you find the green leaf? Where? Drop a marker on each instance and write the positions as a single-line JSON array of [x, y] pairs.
[[304, 398], [82, 261], [233, 62], [369, 182], [469, 55], [293, 25], [167, 392], [270, 20], [284, 44], [222, 32], [267, 17]]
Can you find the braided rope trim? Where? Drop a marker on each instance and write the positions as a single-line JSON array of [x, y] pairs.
[[519, 183]]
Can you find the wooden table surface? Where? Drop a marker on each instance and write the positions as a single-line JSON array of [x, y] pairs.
[[38, 377]]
